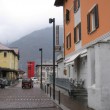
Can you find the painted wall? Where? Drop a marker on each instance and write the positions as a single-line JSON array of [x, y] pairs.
[[104, 15], [68, 28], [61, 70], [10, 61], [99, 88], [85, 7]]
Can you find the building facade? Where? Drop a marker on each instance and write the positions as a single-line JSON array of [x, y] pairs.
[[86, 42], [9, 58]]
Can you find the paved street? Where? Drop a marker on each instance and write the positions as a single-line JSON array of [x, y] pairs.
[[16, 98]]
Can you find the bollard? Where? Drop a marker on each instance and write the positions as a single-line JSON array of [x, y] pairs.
[[50, 91], [47, 89], [59, 96]]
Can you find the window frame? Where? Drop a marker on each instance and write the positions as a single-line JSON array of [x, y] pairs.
[[77, 38], [68, 41], [67, 16], [93, 20], [5, 54], [76, 8]]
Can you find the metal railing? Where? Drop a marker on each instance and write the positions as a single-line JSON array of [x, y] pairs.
[[63, 83]]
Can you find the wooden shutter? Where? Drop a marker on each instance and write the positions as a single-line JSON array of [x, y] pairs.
[[96, 17], [70, 40], [74, 35], [74, 5], [67, 15], [88, 23], [80, 31], [78, 3], [66, 42]]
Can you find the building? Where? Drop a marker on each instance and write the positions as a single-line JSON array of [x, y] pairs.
[[47, 71], [9, 58], [86, 48]]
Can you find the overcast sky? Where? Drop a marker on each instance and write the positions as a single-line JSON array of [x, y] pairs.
[[21, 17]]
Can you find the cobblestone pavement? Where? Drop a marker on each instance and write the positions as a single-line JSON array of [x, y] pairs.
[[16, 98]]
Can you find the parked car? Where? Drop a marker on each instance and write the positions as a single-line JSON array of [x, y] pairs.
[[34, 79], [2, 83], [27, 83]]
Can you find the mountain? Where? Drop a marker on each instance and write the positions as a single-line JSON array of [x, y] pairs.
[[29, 46]]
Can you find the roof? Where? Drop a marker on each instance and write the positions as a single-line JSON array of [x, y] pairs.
[[7, 69], [59, 2], [5, 48], [16, 50]]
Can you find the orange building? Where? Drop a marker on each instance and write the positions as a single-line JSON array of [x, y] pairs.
[[86, 48], [84, 22]]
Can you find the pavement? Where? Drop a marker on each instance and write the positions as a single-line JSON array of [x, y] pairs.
[[40, 100], [69, 102], [16, 98]]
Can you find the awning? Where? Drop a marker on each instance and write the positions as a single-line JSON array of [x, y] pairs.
[[70, 60]]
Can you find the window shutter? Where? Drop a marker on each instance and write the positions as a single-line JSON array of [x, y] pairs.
[[70, 39], [80, 31], [74, 35], [78, 3], [96, 17], [67, 15], [88, 23], [74, 5], [66, 42]]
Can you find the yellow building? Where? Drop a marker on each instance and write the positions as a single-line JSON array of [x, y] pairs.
[[9, 58]]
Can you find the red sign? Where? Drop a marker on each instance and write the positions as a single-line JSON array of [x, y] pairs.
[[31, 66]]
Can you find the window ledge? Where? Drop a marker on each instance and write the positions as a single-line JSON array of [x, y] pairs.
[[77, 42], [93, 31], [68, 48], [76, 10], [67, 22]]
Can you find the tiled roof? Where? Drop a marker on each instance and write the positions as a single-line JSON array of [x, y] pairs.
[[59, 2]]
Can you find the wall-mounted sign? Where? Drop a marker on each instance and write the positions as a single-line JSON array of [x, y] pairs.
[[57, 48], [57, 35]]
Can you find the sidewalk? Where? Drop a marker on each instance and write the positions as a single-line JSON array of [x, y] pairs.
[[69, 103]]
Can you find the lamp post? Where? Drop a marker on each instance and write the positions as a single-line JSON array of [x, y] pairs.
[[53, 21], [41, 68]]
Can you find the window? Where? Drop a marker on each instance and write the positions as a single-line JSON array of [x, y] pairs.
[[77, 33], [68, 41], [76, 5], [67, 15], [92, 20], [5, 54]]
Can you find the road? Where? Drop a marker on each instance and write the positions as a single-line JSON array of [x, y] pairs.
[[16, 98]]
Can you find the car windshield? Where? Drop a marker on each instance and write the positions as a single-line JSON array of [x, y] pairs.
[[26, 80]]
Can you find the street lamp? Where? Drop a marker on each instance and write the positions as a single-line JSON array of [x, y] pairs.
[[53, 21], [41, 68]]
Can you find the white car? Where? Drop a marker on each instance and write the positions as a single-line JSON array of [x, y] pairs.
[[34, 79]]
